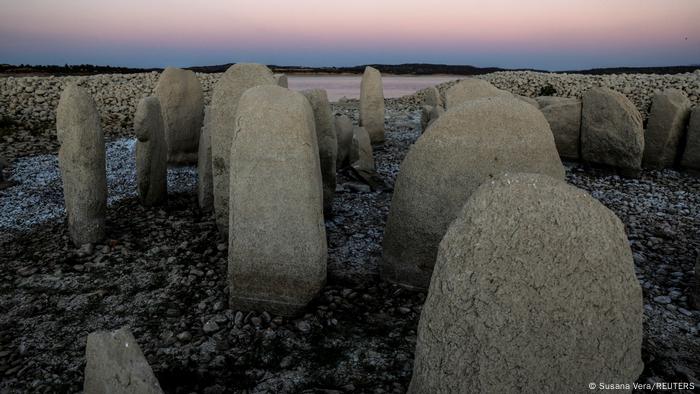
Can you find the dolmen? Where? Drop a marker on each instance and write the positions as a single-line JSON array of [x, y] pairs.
[[116, 365], [205, 181], [151, 153], [534, 290], [372, 104], [182, 104], [224, 104], [468, 145], [612, 133], [670, 111], [327, 143], [277, 241], [81, 159]]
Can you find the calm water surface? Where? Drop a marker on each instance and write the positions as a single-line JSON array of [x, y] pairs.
[[349, 85]]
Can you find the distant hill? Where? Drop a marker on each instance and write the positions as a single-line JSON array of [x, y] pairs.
[[399, 69]]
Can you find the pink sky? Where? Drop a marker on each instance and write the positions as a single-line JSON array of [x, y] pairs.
[[553, 34]]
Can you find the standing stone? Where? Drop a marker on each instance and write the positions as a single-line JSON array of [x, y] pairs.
[[465, 147], [471, 89], [665, 129], [327, 143], [431, 97], [281, 80], [82, 161], [182, 103], [534, 290], [205, 187], [564, 117], [224, 104], [151, 153], [691, 156], [361, 156], [343, 132], [372, 104], [611, 130], [277, 238], [116, 365]]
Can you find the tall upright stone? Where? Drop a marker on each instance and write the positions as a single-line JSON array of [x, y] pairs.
[[327, 143], [182, 104], [224, 104], [116, 365], [534, 290], [277, 241], [282, 80], [343, 132], [469, 89], [691, 154], [205, 182], [466, 146], [151, 153], [81, 158], [668, 118], [372, 104], [564, 117], [611, 130]]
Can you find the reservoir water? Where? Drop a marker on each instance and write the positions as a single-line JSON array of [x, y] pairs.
[[349, 85]]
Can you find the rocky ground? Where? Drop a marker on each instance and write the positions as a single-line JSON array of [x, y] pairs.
[[162, 272]]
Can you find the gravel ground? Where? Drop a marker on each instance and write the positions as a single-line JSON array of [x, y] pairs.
[[162, 272], [38, 194]]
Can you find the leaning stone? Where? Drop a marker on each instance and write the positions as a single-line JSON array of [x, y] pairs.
[[431, 97], [224, 104], [343, 132], [327, 143], [151, 153], [372, 104], [362, 158], [116, 365], [277, 241], [81, 158], [611, 131], [281, 80], [182, 104], [205, 187], [691, 155], [465, 147], [534, 290], [471, 89], [665, 129], [564, 117]]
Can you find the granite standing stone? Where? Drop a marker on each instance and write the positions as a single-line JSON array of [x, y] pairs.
[[372, 104], [534, 290], [81, 158], [465, 147], [151, 153], [277, 238], [182, 104], [224, 104]]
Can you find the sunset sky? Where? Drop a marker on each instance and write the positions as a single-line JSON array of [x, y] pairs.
[[545, 34]]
